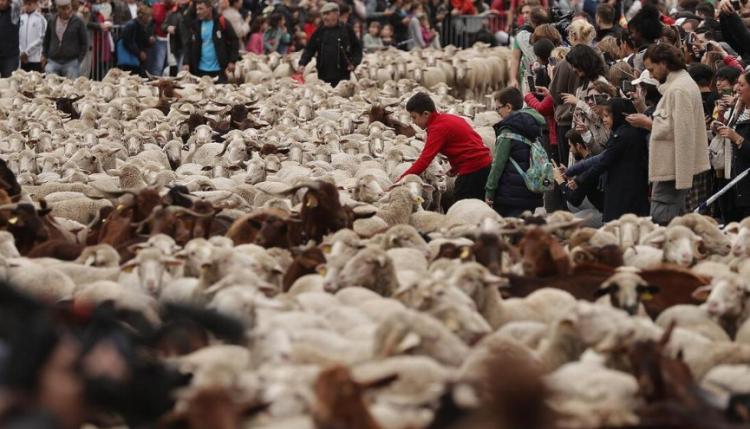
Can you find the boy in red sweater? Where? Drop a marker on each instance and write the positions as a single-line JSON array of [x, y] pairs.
[[454, 138]]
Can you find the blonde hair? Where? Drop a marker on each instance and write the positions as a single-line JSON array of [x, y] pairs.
[[609, 46], [581, 32], [559, 53]]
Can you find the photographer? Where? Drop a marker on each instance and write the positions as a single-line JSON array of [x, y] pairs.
[[565, 81], [523, 54], [589, 96], [538, 97]]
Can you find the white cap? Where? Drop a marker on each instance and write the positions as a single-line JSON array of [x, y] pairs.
[[646, 78]]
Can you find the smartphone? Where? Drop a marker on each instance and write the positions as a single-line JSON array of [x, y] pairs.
[[736, 5], [530, 81], [690, 38], [627, 87], [600, 99]]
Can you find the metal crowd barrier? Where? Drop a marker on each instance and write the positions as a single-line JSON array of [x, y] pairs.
[[101, 56], [462, 31]]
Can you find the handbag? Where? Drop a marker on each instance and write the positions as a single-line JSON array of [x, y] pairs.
[[125, 57]]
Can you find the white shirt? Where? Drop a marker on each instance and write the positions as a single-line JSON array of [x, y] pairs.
[[31, 35], [133, 10]]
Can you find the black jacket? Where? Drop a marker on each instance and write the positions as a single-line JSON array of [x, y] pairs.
[[512, 190], [9, 30], [74, 44], [735, 33], [740, 163], [626, 163], [135, 37], [589, 189], [225, 43], [181, 19], [336, 48]]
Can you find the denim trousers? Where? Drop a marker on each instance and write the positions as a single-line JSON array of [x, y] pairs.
[[70, 69]]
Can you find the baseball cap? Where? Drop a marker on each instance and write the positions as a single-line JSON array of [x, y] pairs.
[[646, 78]]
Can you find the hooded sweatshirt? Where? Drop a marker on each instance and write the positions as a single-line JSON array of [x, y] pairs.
[[505, 185]]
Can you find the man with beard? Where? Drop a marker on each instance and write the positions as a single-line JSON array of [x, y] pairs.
[[677, 147]]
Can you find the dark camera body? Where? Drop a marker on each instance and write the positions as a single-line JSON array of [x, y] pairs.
[[561, 20]]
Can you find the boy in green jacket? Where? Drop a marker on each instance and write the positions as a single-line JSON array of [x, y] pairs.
[[506, 190]]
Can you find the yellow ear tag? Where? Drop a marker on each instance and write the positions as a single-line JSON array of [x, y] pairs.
[[13, 220], [647, 297], [326, 248], [311, 201], [465, 253]]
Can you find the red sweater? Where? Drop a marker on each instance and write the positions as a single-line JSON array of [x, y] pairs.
[[453, 137], [465, 6], [547, 109], [158, 14]]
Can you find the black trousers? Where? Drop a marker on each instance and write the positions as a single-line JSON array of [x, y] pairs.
[[8, 65], [471, 185], [37, 67], [562, 144]]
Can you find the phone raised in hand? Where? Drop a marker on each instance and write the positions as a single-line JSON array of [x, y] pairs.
[[736, 5], [627, 87], [530, 81]]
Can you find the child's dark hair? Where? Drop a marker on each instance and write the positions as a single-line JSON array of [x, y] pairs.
[[420, 103], [510, 95]]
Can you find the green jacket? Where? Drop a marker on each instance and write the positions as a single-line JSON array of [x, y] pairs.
[[503, 146]]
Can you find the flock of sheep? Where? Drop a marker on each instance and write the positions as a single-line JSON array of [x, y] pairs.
[[365, 305]]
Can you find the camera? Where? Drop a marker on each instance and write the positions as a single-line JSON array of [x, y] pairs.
[[561, 20]]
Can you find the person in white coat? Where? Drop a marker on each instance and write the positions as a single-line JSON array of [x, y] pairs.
[[31, 31]]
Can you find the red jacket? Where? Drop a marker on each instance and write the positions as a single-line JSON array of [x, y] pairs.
[[465, 6], [547, 109], [453, 137], [158, 15]]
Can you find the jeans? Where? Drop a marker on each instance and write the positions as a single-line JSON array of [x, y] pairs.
[[157, 58], [70, 69], [667, 202], [8, 65]]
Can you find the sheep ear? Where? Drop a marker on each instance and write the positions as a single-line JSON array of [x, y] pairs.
[[326, 248], [647, 292], [604, 291], [702, 293], [379, 382], [310, 200], [493, 280], [560, 258], [129, 266], [172, 262], [410, 341]]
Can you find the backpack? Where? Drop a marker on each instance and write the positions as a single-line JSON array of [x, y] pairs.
[[539, 177]]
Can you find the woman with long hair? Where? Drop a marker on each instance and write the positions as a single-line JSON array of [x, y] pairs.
[[625, 162]]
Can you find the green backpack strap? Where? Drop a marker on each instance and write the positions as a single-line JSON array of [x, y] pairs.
[[515, 136]]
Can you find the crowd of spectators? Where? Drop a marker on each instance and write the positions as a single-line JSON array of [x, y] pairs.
[[644, 104]]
